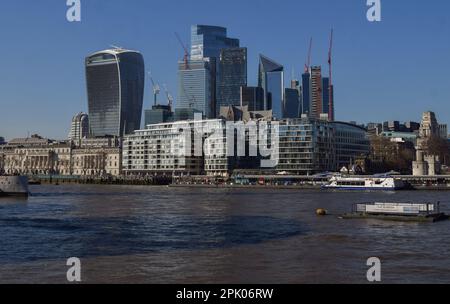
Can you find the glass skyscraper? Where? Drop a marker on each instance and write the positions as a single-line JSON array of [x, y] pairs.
[[325, 95], [253, 98], [306, 93], [194, 86], [232, 75], [208, 41], [271, 79], [115, 89], [214, 75], [291, 104]]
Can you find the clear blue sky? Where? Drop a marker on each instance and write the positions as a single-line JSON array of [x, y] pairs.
[[395, 69]]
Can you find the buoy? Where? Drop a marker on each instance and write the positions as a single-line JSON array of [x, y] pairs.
[[321, 212]]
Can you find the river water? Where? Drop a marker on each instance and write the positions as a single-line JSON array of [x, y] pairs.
[[134, 234]]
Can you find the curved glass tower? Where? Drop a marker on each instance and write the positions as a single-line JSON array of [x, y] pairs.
[[115, 87], [271, 79]]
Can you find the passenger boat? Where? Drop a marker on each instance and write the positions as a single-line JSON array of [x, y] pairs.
[[14, 186], [371, 183]]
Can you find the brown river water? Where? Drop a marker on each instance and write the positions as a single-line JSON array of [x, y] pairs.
[[139, 234]]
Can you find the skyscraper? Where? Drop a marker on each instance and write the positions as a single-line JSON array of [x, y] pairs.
[[232, 75], [325, 95], [227, 70], [194, 86], [292, 103], [80, 127], [316, 92], [271, 79], [253, 97], [208, 41], [115, 88], [306, 93]]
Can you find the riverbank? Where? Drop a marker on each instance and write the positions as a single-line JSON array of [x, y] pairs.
[[302, 183]]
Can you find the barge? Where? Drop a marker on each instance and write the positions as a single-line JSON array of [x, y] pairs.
[[412, 212]]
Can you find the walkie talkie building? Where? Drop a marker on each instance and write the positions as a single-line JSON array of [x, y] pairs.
[[115, 87]]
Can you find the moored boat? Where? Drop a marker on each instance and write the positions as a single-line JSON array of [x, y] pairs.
[[417, 212], [371, 183], [14, 186]]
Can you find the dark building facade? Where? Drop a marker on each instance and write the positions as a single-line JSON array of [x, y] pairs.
[[292, 108], [253, 97], [306, 93], [232, 75], [158, 114], [115, 88]]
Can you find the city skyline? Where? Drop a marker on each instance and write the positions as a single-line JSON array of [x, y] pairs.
[[393, 74]]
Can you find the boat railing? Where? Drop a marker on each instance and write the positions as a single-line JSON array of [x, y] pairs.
[[400, 208]]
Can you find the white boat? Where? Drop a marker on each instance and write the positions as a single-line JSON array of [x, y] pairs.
[[14, 186], [371, 183]]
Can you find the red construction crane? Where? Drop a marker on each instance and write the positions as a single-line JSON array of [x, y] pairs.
[[308, 60], [330, 86], [186, 52]]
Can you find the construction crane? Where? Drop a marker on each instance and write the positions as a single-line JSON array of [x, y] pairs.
[[156, 89], [330, 86], [186, 52], [169, 97], [308, 59]]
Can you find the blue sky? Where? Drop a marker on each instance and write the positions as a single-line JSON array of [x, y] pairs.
[[395, 69]]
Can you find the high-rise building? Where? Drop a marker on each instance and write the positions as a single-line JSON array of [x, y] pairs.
[[158, 114], [316, 91], [208, 44], [325, 95], [271, 79], [2, 140], [306, 93], [208, 41], [115, 87], [80, 127], [195, 88], [292, 107], [232, 75], [253, 97], [199, 80]]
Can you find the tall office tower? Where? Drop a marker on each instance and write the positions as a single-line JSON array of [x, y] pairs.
[[271, 79], [80, 127], [306, 93], [194, 87], [316, 91], [292, 108], [325, 95], [115, 87], [253, 97], [208, 41], [232, 75]]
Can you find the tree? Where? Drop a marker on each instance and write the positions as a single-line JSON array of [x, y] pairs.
[[440, 147]]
